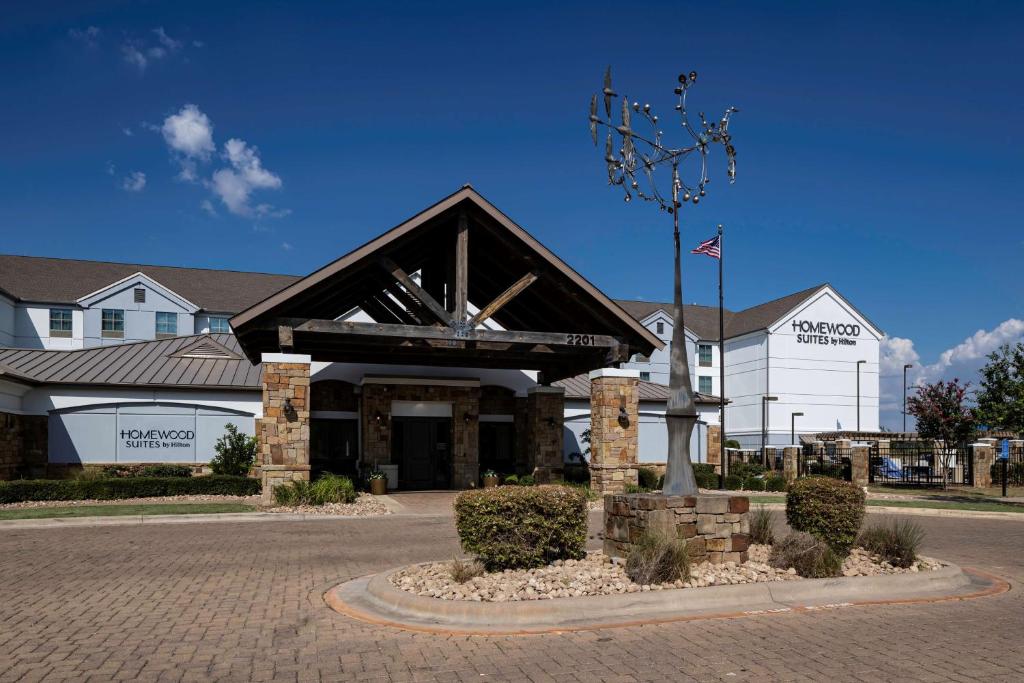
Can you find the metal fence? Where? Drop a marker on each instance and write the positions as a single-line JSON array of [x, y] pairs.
[[920, 465], [1013, 466], [828, 461]]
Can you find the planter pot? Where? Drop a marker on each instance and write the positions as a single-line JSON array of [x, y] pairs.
[[378, 487], [490, 482]]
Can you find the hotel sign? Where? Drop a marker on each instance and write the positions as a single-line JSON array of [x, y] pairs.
[[826, 333], [171, 436]]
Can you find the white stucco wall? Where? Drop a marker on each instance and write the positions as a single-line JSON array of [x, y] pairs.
[[32, 327]]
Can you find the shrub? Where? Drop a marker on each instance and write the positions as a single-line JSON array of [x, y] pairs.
[[733, 482], [896, 542], [775, 483], [112, 488], [329, 488], [632, 488], [656, 558], [745, 470], [526, 480], [166, 470], [462, 571], [236, 452], [732, 443], [703, 467], [762, 526], [828, 508], [519, 528], [511, 480], [753, 484], [706, 480], [577, 473], [811, 557], [647, 478]]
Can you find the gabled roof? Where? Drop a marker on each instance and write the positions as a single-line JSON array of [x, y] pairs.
[[65, 281], [703, 320], [157, 363], [500, 252]]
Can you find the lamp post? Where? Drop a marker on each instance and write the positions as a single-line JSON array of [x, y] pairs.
[[764, 419], [905, 368], [859, 363], [792, 426], [632, 166]]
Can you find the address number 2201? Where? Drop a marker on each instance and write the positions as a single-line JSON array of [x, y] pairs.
[[579, 339]]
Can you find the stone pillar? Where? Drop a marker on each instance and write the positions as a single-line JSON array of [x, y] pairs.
[[790, 463], [984, 458], [769, 457], [715, 447], [859, 463], [545, 412], [284, 429], [614, 423]]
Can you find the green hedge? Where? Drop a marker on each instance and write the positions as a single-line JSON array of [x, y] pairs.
[[516, 527], [128, 487], [830, 509]]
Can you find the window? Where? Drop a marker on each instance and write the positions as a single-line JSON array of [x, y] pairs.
[[166, 324], [645, 376], [220, 325], [140, 295], [704, 385], [661, 327], [704, 352], [60, 322], [112, 323]]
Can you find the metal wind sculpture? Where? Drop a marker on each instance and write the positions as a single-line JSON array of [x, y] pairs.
[[633, 167]]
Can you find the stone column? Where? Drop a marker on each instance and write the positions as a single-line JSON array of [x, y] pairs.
[[859, 464], [614, 424], [769, 457], [284, 429], [790, 462], [984, 458], [545, 412], [715, 447]]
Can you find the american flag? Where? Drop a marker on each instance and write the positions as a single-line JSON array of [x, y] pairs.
[[711, 247]]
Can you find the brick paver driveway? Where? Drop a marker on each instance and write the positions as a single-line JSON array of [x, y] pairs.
[[240, 602]]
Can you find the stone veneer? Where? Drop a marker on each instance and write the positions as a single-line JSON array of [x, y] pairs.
[[716, 528], [613, 438], [284, 431], [545, 412]]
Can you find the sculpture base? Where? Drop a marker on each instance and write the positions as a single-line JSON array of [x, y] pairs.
[[716, 529]]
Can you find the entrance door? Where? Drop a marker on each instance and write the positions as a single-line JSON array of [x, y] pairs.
[[422, 448], [333, 446], [497, 447]]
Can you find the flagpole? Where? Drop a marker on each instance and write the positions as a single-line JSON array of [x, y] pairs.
[[723, 460]]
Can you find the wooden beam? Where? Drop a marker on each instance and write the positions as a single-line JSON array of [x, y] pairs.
[[284, 338], [402, 332], [499, 301], [462, 269], [410, 285]]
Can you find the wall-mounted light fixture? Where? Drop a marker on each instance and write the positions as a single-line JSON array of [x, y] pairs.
[[468, 417], [550, 422], [378, 418], [623, 415]]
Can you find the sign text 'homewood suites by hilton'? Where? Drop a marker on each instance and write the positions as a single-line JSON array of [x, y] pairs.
[[825, 333]]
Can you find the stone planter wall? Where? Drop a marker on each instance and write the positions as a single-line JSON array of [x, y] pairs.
[[716, 528]]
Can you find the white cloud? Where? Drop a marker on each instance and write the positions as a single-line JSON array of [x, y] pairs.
[[127, 131], [286, 246], [207, 206], [88, 35], [134, 56], [139, 53], [134, 181], [169, 43], [246, 174], [111, 169], [189, 134], [962, 361]]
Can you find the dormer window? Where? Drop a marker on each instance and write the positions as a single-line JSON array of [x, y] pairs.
[[140, 295], [60, 322], [112, 323], [661, 327], [220, 325]]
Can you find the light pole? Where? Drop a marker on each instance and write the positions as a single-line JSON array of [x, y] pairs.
[[905, 368], [764, 419], [859, 363], [792, 426], [633, 167]]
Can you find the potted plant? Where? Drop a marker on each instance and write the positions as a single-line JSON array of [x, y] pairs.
[[490, 479], [378, 483]]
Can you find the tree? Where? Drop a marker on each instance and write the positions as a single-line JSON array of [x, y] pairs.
[[1001, 398], [942, 414], [236, 452]]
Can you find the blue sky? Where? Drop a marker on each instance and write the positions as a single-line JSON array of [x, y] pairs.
[[877, 142]]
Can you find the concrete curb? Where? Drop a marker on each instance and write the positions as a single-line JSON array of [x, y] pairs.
[[376, 600], [135, 520], [921, 512]]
